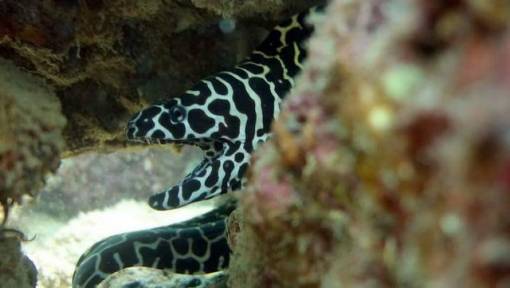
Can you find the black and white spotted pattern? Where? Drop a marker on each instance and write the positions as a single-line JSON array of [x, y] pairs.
[[228, 115], [198, 245]]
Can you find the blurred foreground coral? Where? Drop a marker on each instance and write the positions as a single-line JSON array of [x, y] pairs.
[[390, 165], [30, 144], [31, 139]]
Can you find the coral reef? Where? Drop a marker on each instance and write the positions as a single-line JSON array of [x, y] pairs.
[[31, 142], [31, 132], [390, 161], [106, 59], [389, 165]]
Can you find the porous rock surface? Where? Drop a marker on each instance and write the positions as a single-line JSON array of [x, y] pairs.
[[31, 127]]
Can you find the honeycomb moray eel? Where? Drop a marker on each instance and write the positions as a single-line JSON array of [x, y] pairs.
[[228, 115]]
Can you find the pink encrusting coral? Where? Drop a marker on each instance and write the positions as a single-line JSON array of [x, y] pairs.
[[389, 166]]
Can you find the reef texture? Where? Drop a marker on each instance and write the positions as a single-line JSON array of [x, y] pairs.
[[390, 165], [30, 132], [106, 59], [30, 145]]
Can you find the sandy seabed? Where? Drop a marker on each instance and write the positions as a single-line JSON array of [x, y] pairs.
[[58, 244]]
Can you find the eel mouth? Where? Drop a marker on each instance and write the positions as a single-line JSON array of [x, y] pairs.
[[176, 145], [142, 135], [137, 134], [206, 146], [150, 141]]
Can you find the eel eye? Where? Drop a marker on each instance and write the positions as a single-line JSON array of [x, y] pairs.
[[177, 114]]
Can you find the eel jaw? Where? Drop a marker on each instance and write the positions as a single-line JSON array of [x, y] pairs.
[[150, 141], [131, 135]]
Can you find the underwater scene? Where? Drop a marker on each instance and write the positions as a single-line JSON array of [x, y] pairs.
[[256, 143]]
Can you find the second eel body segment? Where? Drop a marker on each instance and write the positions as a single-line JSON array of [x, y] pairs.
[[228, 115]]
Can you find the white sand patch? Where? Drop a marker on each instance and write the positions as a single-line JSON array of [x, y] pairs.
[[58, 245]]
